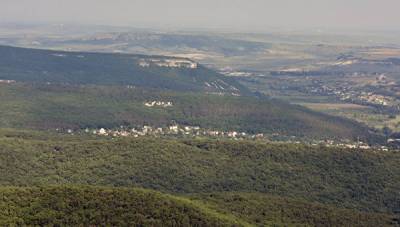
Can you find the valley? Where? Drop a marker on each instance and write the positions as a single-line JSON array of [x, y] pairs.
[[302, 68], [116, 126]]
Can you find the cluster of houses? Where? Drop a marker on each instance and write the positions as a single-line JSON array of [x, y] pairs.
[[357, 145], [348, 93], [168, 62], [7, 81], [158, 104], [171, 130], [348, 145], [375, 99], [194, 131]]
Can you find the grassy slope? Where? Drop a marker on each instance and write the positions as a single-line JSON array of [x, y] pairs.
[[50, 107], [89, 206], [358, 180]]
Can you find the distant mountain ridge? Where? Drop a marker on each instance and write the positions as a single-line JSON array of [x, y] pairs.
[[161, 41], [47, 66]]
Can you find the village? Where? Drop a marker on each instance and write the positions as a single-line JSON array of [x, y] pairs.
[[185, 131], [368, 89], [7, 81], [375, 90], [174, 129], [349, 94]]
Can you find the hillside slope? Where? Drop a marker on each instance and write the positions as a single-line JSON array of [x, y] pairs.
[[78, 107], [88, 206], [363, 180], [265, 210], [94, 206], [45, 66]]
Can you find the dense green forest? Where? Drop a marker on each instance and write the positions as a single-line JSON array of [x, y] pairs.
[[43, 66], [77, 107], [90, 206], [267, 210], [105, 206], [363, 180]]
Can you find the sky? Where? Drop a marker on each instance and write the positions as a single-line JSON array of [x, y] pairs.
[[214, 14]]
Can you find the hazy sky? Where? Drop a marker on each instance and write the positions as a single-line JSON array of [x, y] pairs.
[[237, 14]]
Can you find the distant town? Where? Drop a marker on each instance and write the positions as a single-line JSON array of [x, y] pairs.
[[176, 130]]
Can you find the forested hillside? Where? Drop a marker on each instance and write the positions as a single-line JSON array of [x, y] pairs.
[[266, 210], [362, 180], [45, 66], [78, 107], [87, 206], [44, 89], [90, 206]]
